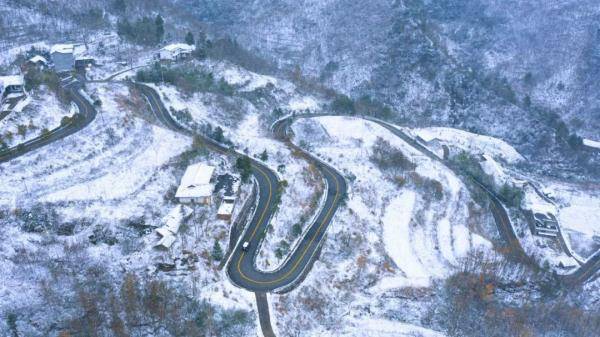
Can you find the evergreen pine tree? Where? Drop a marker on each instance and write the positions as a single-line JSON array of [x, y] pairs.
[[119, 6], [160, 28], [189, 38], [217, 252]]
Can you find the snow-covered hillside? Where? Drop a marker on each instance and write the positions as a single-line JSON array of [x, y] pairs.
[[389, 237], [94, 199]]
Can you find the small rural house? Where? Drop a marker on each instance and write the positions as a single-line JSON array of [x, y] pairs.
[[228, 187], [84, 62], [545, 224], [14, 84], [196, 185], [37, 61], [176, 52], [12, 90], [63, 57], [225, 210]]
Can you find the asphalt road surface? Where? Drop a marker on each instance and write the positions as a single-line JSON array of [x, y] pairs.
[[87, 113], [241, 268], [587, 272], [262, 305]]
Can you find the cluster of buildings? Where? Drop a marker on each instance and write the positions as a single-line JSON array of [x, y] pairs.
[[68, 57], [200, 186], [63, 58]]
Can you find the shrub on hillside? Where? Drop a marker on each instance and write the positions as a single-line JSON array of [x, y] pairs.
[[512, 195], [188, 79], [389, 158]]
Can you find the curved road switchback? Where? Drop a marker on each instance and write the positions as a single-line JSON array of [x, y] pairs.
[[86, 115], [241, 267]]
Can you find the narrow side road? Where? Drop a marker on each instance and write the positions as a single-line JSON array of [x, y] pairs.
[[262, 305]]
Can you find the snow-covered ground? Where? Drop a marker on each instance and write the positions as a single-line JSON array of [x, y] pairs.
[[497, 159], [115, 56], [422, 244], [43, 112], [579, 214], [389, 237], [469, 142], [385, 328]]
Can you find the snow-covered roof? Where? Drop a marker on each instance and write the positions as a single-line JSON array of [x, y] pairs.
[[163, 231], [5, 81], [226, 207], [62, 48], [38, 58], [68, 48], [196, 181], [179, 47], [166, 241], [172, 221], [591, 143]]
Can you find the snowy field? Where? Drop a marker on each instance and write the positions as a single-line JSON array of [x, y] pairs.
[[579, 215], [469, 142]]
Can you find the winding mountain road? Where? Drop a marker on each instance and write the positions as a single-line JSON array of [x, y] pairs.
[[241, 267], [86, 115]]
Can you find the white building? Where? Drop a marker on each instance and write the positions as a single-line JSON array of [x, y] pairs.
[[176, 52], [12, 84], [226, 208], [591, 144], [196, 185], [12, 89]]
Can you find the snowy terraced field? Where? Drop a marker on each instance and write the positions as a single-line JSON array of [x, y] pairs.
[[500, 158], [423, 245], [387, 238], [110, 159]]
